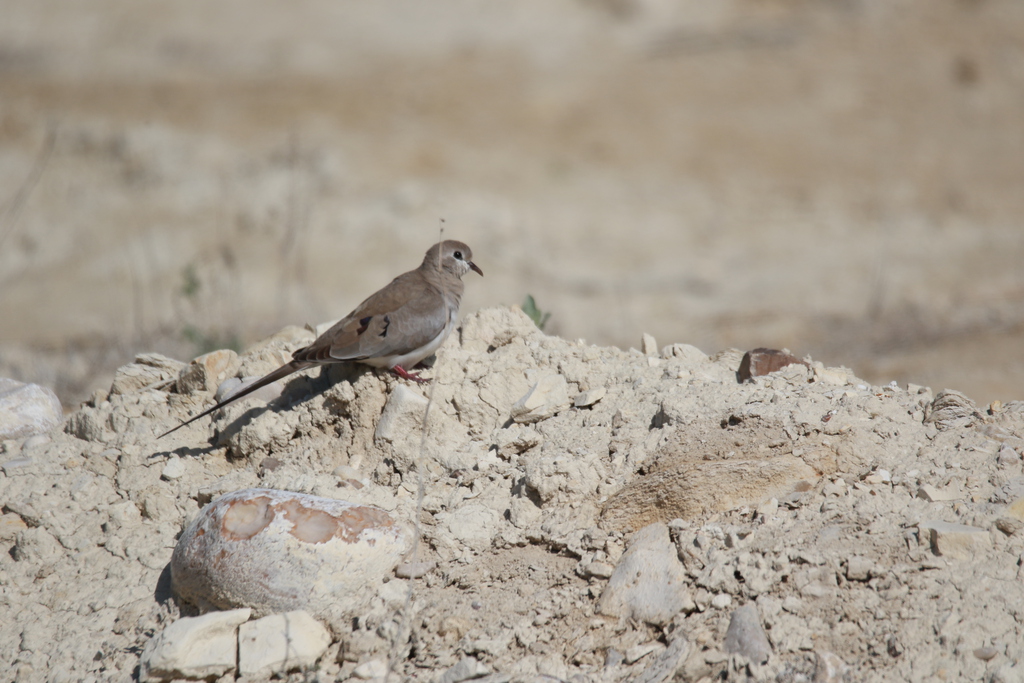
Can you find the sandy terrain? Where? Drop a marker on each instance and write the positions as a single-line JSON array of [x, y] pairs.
[[839, 178]]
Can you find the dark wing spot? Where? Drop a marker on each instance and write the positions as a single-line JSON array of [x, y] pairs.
[[387, 323], [364, 323]]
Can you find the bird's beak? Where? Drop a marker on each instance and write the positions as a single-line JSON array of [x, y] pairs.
[[476, 268]]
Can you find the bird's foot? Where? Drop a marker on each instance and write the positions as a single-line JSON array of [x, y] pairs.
[[404, 374]]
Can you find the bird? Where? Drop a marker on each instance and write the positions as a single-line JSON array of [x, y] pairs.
[[395, 328]]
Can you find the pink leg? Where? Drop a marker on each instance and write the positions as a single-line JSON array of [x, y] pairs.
[[414, 376]]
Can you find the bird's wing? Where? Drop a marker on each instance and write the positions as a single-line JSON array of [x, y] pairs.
[[403, 316]]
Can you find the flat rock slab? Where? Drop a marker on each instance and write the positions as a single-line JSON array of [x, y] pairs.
[[194, 647]]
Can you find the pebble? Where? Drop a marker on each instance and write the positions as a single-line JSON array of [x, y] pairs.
[[649, 583], [375, 668], [828, 667], [721, 601], [194, 647], [934, 495], [763, 361], [545, 399], [746, 637], [174, 469], [27, 409], [638, 652], [986, 653], [649, 345], [414, 570], [665, 665], [858, 568], [957, 541], [467, 668], [279, 643], [589, 398]]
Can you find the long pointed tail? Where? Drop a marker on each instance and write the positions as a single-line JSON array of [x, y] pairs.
[[281, 372]]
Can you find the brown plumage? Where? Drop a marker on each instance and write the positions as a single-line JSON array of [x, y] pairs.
[[395, 328]]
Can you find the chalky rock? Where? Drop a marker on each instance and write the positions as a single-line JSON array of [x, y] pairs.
[[764, 361], [27, 409], [206, 372], [280, 643], [746, 636], [956, 541], [148, 370], [952, 410], [278, 551], [649, 582], [194, 647], [545, 399]]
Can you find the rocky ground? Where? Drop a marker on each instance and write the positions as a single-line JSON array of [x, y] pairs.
[[587, 513]]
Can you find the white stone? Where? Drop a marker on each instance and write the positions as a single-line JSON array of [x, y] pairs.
[[649, 583], [649, 345], [173, 469], [746, 636], [934, 495], [280, 643], [721, 601], [589, 398], [194, 647], [375, 668], [27, 409], [546, 398], [956, 541], [467, 668], [277, 551]]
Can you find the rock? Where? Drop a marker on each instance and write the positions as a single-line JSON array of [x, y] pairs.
[[10, 525], [952, 410], [828, 667], [36, 545], [649, 583], [414, 570], [27, 409], [280, 643], [277, 551], [1009, 525], [546, 398], [764, 361], [1007, 457], [150, 370], [689, 489], [373, 669], [401, 427], [194, 647], [746, 636], [986, 653], [956, 541], [648, 345], [721, 601], [858, 568], [472, 524], [589, 398], [665, 665], [173, 469], [467, 668], [638, 652], [205, 373], [934, 495]]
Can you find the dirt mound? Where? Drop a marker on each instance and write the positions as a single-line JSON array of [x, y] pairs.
[[874, 529]]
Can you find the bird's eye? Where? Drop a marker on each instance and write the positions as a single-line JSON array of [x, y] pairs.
[[458, 255]]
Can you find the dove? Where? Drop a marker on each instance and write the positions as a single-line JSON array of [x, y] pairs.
[[395, 328]]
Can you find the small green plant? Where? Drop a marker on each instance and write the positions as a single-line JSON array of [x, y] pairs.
[[206, 342], [189, 282], [539, 317]]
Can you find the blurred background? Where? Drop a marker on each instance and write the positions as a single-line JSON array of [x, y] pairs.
[[839, 177]]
